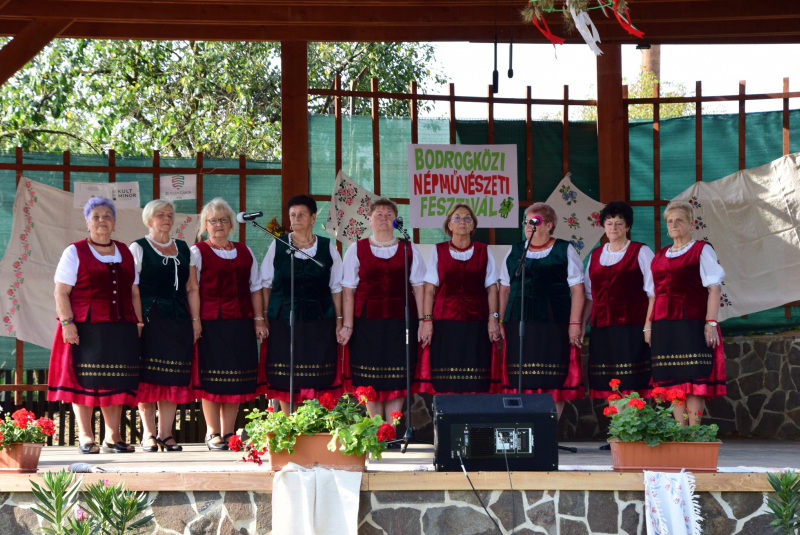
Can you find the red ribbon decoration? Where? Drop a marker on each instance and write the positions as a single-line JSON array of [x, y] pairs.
[[546, 32], [625, 24]]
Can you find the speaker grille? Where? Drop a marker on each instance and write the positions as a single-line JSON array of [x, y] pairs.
[[481, 442]]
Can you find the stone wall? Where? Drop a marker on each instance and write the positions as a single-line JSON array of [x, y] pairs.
[[763, 398], [430, 513]]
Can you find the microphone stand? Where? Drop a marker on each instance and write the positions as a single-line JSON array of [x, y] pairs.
[[521, 272], [291, 250], [409, 434]]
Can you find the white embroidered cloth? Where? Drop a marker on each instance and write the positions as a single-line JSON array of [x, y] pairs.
[[752, 218], [44, 224], [578, 216], [670, 505], [315, 501], [348, 221]]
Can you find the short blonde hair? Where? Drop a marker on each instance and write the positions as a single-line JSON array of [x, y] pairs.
[[216, 206], [683, 206], [382, 201], [547, 212], [154, 206], [449, 218]]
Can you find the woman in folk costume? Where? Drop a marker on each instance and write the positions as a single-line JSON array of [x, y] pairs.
[[686, 351], [226, 370], [374, 330], [460, 321], [317, 310], [554, 296], [170, 298], [95, 356], [616, 304]]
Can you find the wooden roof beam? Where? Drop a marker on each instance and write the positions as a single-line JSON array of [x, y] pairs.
[[27, 43]]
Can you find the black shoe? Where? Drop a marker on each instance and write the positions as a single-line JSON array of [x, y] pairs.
[[149, 449], [216, 446], [117, 447], [605, 447], [164, 446], [87, 448]]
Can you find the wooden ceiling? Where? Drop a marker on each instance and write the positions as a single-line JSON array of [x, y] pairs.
[[663, 21]]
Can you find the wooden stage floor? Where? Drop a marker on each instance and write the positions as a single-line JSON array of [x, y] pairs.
[[742, 464]]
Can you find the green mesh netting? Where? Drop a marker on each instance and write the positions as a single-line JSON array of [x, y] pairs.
[[720, 158]]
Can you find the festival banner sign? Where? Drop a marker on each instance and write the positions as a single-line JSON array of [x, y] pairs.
[[483, 176], [178, 187], [123, 194]]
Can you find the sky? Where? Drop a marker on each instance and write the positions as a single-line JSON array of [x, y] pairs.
[[720, 67]]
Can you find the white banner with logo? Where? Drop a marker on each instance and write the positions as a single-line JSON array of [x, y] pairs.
[[178, 187], [483, 176], [124, 194]]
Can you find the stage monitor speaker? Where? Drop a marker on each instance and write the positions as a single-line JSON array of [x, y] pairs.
[[485, 429]]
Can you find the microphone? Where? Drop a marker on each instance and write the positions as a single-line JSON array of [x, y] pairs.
[[243, 217], [398, 223], [535, 221]]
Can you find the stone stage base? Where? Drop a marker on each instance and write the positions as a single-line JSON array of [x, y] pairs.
[[200, 492]]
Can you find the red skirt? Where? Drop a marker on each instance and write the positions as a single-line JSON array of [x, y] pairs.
[[573, 387], [300, 394], [383, 395], [63, 386], [150, 393], [712, 386]]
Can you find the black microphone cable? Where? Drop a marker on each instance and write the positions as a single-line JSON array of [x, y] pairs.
[[476, 493]]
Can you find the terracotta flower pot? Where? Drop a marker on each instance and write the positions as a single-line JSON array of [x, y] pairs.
[[20, 458], [666, 457], [312, 450]]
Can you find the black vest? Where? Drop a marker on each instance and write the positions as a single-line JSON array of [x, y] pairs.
[[547, 295], [157, 281]]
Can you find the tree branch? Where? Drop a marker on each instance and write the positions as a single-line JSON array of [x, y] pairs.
[[29, 131]]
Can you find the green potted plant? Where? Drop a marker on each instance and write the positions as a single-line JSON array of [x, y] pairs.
[[21, 439], [322, 432], [647, 437]]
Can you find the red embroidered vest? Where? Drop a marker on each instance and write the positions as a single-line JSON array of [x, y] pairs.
[[680, 293], [380, 285], [225, 284], [103, 291], [617, 291], [461, 295]]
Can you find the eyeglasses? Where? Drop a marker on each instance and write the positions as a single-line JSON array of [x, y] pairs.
[[221, 221], [384, 216], [466, 220]]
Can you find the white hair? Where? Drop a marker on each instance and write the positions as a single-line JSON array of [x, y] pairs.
[[154, 206], [217, 205]]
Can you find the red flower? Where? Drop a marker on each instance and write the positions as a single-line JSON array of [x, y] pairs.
[[328, 401], [614, 397], [636, 403], [22, 417], [2, 436], [22, 236], [6, 319], [365, 394], [659, 393], [270, 409], [235, 443], [26, 209], [613, 383], [46, 426], [188, 219], [386, 432], [17, 265], [610, 411], [10, 293], [396, 417]]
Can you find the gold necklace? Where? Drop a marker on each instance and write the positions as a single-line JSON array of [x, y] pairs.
[[302, 243], [681, 248], [377, 243]]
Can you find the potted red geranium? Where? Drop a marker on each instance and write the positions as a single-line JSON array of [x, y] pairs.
[[322, 432], [21, 439], [645, 436]]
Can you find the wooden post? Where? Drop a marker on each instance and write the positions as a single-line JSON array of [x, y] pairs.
[[490, 141], [657, 165], [627, 149], [376, 136], [414, 112], [785, 117], [698, 133], [565, 133], [294, 120], [451, 91], [199, 164], [742, 125], [610, 128], [112, 162], [156, 174]]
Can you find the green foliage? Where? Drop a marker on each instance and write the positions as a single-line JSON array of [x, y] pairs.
[[353, 431], [653, 422], [785, 505], [56, 500], [182, 97], [115, 509]]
